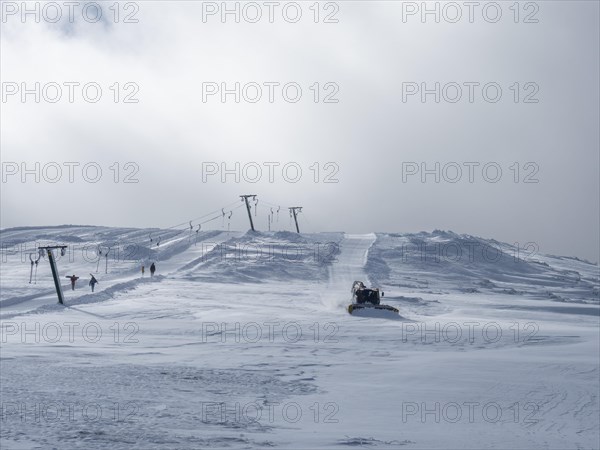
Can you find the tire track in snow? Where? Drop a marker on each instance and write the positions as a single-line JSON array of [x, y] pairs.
[[350, 266]]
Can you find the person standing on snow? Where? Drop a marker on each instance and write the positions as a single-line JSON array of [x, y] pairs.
[[143, 270], [152, 270], [73, 280], [93, 282]]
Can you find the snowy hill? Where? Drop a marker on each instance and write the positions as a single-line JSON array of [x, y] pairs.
[[242, 340]]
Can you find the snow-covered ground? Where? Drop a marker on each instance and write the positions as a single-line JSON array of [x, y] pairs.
[[242, 340]]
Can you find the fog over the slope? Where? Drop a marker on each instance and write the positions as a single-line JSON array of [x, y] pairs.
[[373, 143]]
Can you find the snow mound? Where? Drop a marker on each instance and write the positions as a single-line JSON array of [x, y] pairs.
[[260, 257], [429, 262]]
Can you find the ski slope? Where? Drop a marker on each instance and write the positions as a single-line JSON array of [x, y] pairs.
[[242, 340]]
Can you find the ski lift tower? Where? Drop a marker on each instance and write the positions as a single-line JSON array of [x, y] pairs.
[[245, 198], [49, 250], [295, 210]]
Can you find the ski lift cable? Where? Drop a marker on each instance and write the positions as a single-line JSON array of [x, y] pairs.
[[270, 204], [193, 220], [201, 217], [223, 214], [189, 222], [220, 215], [277, 208]]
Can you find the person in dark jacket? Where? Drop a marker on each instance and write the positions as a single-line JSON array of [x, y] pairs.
[[152, 270], [93, 282], [73, 280]]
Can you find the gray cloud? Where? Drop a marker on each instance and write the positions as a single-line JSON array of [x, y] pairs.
[[369, 134]]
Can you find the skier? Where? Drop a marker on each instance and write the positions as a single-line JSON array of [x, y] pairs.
[[93, 282], [152, 270], [143, 270], [73, 280]]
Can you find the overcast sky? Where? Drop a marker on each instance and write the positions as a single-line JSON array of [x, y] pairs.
[[377, 137]]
